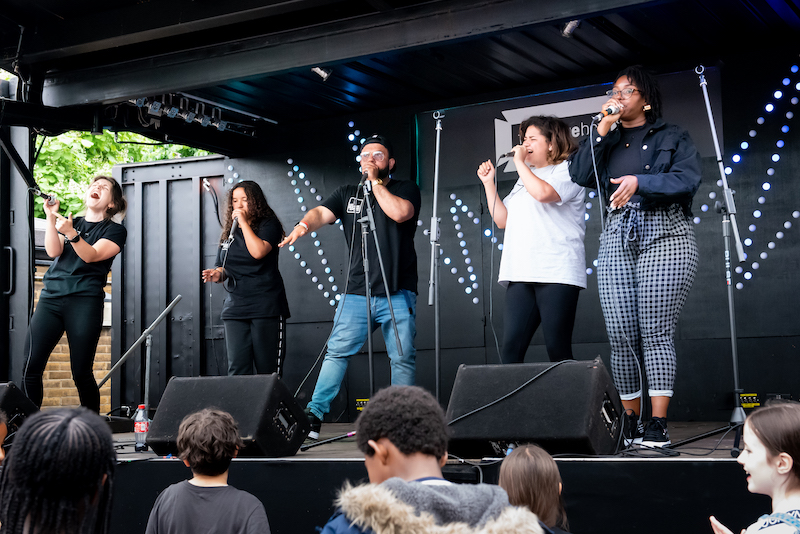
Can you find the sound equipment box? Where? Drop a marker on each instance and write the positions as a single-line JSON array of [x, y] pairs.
[[16, 406], [271, 423], [564, 407]]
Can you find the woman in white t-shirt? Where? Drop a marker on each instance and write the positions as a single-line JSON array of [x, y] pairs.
[[543, 266]]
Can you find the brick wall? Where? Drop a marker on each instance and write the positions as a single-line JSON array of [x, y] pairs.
[[59, 389]]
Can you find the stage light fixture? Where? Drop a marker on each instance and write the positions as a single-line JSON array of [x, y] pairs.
[[569, 28], [322, 73]]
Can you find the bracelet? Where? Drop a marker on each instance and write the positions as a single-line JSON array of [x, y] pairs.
[[304, 225]]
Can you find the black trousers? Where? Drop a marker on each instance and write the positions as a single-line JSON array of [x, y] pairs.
[[254, 345], [530, 304], [82, 319]]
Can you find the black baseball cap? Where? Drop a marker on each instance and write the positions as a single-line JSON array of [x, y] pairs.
[[381, 140]]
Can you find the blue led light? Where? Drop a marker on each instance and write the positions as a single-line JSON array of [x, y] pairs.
[[594, 263], [777, 94], [704, 207], [467, 290], [296, 168], [465, 252], [351, 137], [794, 68], [487, 232], [589, 270], [696, 220], [464, 209], [747, 242], [297, 256], [473, 277], [728, 170], [300, 199], [458, 202], [500, 246], [462, 243], [460, 279], [769, 107], [736, 158], [351, 124], [585, 216], [752, 228], [755, 265], [770, 172], [297, 191], [786, 81], [780, 143], [785, 128], [745, 145], [453, 210], [748, 275], [757, 214], [447, 261], [776, 157]]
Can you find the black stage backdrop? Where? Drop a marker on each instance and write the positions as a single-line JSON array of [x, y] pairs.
[[767, 197]]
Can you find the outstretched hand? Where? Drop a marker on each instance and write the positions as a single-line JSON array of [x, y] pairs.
[[64, 224], [628, 186], [719, 528]]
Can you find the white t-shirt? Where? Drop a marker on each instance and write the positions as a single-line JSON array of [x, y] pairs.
[[544, 242]]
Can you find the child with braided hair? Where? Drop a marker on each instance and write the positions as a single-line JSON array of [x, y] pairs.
[[59, 475]]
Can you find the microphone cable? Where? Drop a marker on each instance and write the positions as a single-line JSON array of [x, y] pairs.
[[616, 300]]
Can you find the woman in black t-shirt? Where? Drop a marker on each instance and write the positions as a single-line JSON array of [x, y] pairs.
[[72, 299], [256, 307]]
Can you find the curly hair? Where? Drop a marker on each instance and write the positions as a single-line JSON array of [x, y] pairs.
[[777, 425], [531, 478], [409, 417], [59, 474], [647, 85], [257, 208], [557, 134], [208, 440]]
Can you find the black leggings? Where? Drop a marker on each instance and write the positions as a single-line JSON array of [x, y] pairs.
[[82, 319], [528, 305]]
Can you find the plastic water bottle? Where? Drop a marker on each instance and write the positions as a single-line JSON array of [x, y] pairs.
[[141, 425]]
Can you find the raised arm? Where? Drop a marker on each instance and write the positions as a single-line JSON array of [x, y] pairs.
[[486, 174], [314, 219]]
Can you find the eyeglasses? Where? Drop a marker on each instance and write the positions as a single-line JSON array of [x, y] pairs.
[[625, 93], [378, 155]]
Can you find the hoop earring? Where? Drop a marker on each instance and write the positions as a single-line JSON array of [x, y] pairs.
[[646, 107]]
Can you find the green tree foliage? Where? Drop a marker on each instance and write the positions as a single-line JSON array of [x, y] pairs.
[[68, 162]]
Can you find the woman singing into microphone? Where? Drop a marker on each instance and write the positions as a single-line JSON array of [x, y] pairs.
[[649, 171], [72, 299], [543, 266], [256, 307]]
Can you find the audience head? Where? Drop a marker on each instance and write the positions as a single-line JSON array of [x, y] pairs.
[[407, 416], [208, 440], [530, 477], [58, 476], [772, 446]]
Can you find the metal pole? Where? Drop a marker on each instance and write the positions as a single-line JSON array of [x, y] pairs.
[[148, 343], [138, 342], [433, 281]]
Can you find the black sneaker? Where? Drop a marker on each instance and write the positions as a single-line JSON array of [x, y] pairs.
[[316, 424], [632, 429], [656, 433]]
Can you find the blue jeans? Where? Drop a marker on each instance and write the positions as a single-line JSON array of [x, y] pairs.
[[350, 333]]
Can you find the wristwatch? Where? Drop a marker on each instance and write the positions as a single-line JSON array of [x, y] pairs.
[[76, 238], [379, 181]]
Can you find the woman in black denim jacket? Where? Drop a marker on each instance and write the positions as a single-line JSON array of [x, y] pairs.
[[648, 172]]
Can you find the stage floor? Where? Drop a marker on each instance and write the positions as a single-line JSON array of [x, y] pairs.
[[716, 446]]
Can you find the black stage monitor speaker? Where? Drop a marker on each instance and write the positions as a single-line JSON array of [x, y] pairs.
[[568, 407], [271, 422], [16, 406]]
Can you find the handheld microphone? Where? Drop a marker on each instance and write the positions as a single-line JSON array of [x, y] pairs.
[[610, 110], [233, 228], [364, 177], [507, 155], [51, 198]]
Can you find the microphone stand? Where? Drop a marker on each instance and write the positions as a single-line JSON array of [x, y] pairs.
[[368, 225], [728, 210], [433, 282]]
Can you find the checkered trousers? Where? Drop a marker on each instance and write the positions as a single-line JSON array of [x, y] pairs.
[[646, 265]]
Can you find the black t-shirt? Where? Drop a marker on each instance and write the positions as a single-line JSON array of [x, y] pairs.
[[184, 507], [259, 290], [70, 275], [396, 240], [626, 157]]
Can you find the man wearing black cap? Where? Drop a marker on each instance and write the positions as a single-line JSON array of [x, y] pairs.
[[395, 205]]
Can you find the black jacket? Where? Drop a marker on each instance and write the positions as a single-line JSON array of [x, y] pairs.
[[670, 172]]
